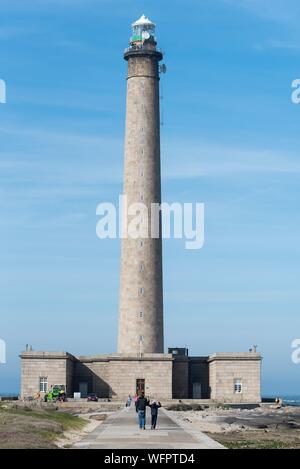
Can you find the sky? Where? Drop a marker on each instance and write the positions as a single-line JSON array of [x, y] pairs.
[[229, 138]]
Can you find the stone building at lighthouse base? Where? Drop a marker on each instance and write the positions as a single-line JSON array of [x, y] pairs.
[[221, 377]]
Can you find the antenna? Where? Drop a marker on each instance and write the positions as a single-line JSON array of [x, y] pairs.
[[162, 68]]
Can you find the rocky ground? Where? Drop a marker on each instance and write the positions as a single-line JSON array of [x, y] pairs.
[[22, 426], [263, 427]]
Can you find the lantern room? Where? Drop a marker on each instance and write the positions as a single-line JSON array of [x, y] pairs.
[[143, 30]]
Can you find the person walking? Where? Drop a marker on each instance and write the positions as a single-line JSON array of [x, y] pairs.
[[154, 406], [128, 403], [140, 407]]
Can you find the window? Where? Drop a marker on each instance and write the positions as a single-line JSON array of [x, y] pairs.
[[142, 197], [141, 314], [238, 386], [141, 338], [142, 151], [141, 291], [43, 384], [142, 267], [141, 243]]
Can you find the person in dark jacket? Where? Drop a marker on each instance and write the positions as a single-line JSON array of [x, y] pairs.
[[154, 413], [140, 407]]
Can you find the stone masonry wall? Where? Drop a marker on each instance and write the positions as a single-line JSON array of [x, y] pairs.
[[141, 290], [115, 375], [223, 374], [157, 375], [34, 367]]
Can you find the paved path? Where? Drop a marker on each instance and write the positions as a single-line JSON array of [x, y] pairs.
[[121, 431]]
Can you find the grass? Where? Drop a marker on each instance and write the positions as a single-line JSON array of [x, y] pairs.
[[260, 444], [257, 439], [66, 420], [27, 428]]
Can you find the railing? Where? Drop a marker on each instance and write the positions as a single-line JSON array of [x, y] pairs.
[[142, 47]]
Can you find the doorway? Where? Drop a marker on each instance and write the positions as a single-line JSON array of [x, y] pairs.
[[196, 390], [140, 386], [83, 388]]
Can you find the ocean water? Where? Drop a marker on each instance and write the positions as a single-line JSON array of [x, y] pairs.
[[291, 400]]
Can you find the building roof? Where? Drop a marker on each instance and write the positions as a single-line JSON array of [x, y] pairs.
[[235, 356], [143, 20]]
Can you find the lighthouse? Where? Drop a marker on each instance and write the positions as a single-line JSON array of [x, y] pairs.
[[141, 280], [141, 365]]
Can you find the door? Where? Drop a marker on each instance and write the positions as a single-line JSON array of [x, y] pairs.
[[83, 388], [196, 390], [140, 386]]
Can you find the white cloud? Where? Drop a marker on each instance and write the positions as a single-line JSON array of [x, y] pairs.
[[276, 44], [287, 11], [194, 159], [235, 296], [56, 165], [21, 4], [64, 98]]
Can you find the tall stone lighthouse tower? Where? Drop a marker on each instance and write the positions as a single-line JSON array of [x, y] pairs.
[[141, 289]]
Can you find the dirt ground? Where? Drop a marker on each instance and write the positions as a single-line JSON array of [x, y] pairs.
[[238, 429], [260, 428]]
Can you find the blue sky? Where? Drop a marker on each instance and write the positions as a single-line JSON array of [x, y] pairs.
[[230, 139]]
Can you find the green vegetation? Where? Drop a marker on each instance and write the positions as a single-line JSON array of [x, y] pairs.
[[38, 428], [66, 420], [260, 444], [259, 439]]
